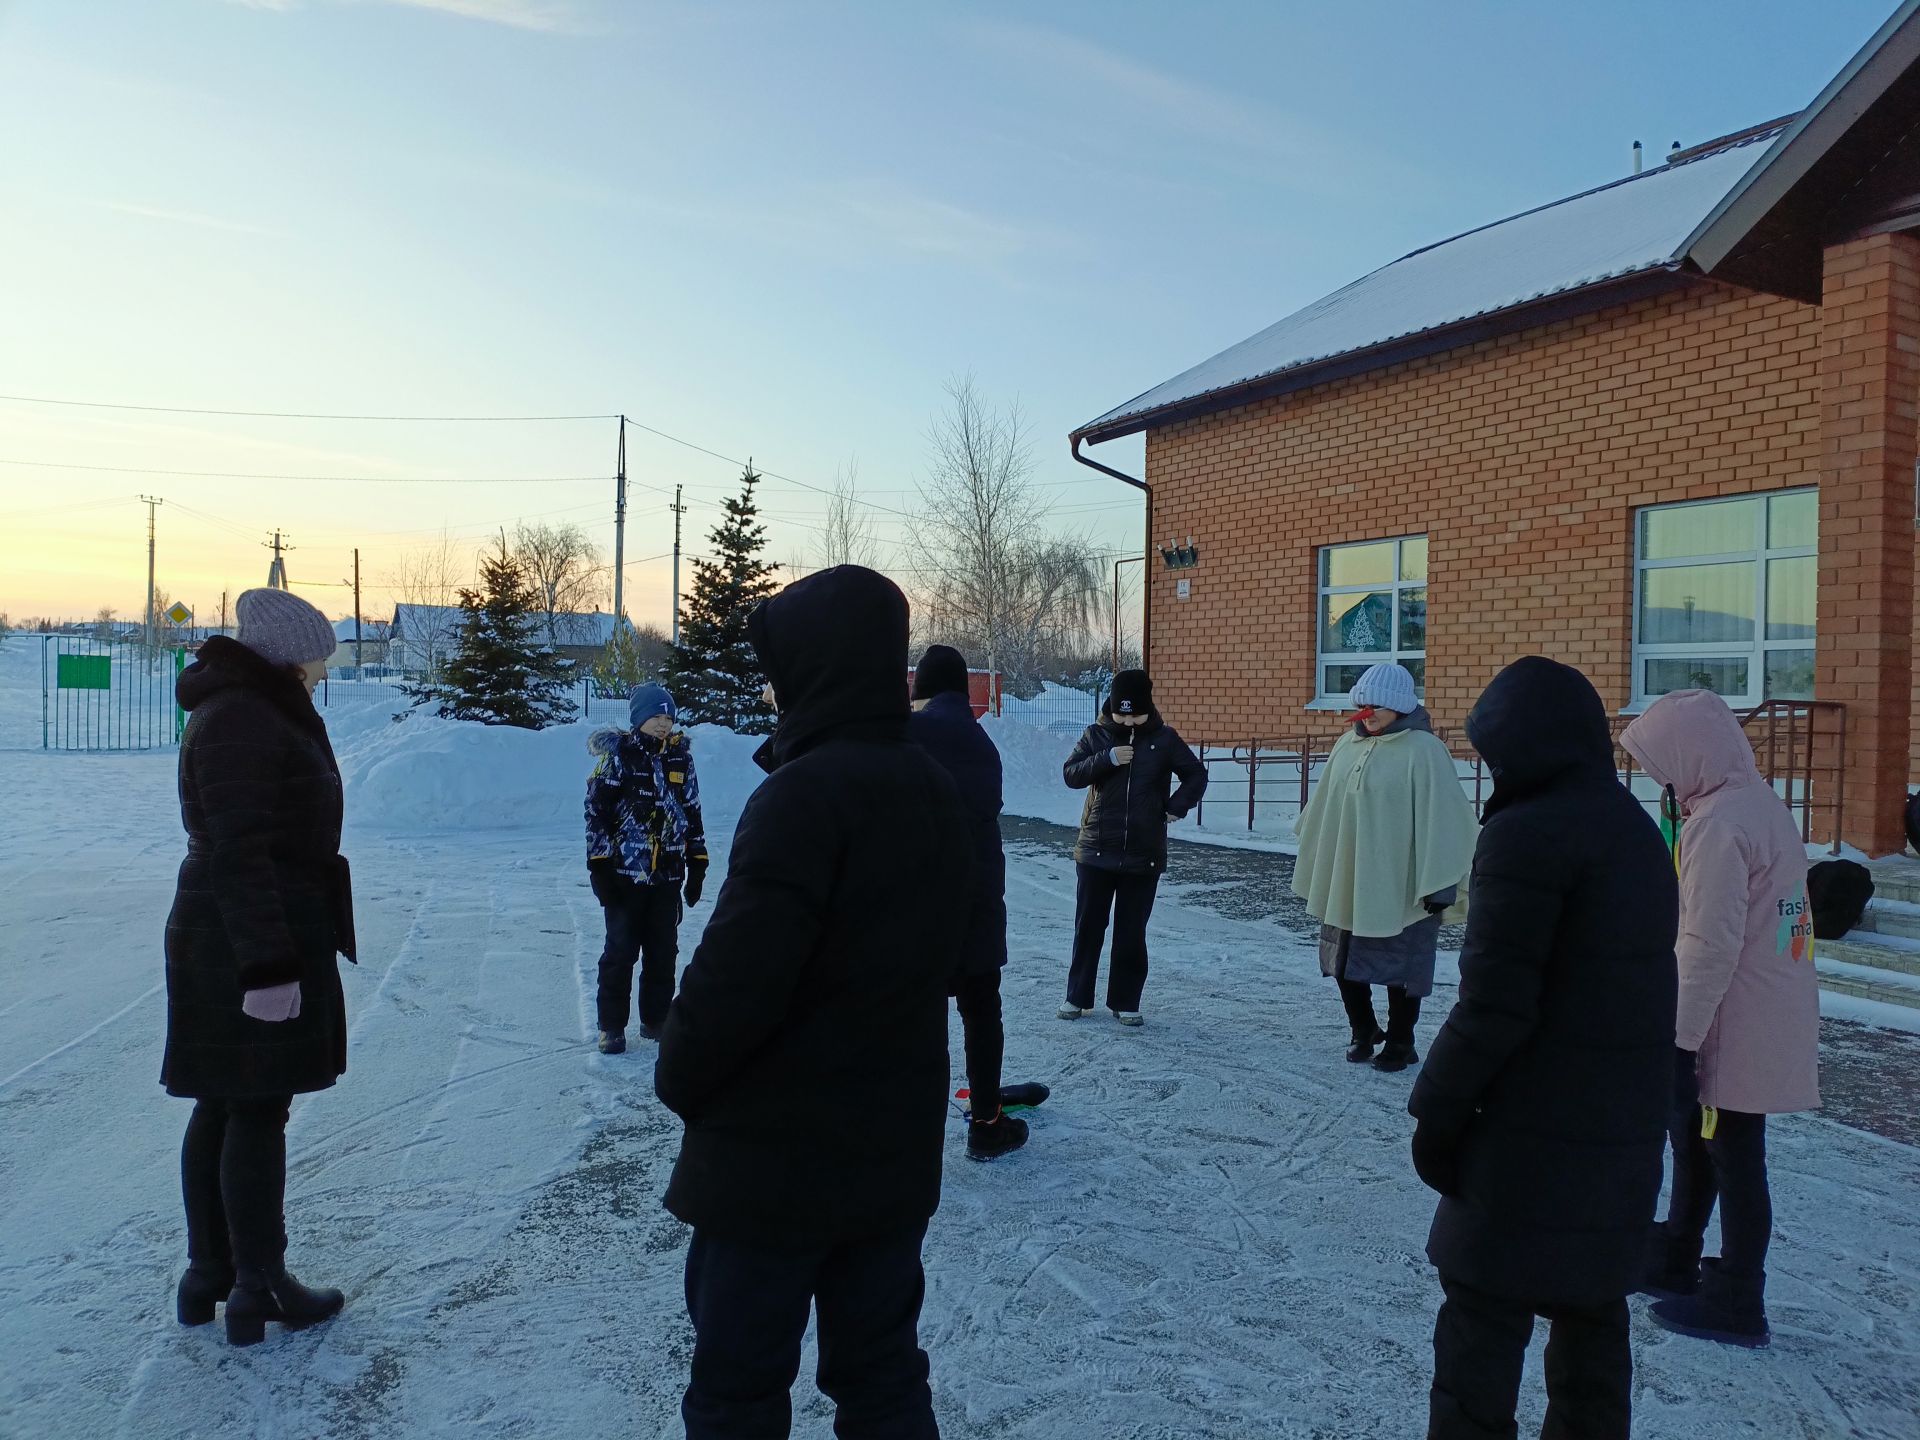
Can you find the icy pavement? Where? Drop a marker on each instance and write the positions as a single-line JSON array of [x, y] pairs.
[[1214, 1232]]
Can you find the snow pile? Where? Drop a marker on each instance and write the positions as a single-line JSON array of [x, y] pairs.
[[425, 773]]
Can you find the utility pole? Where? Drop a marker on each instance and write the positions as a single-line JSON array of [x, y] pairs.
[[151, 505], [678, 511], [277, 572], [358, 659], [620, 528]]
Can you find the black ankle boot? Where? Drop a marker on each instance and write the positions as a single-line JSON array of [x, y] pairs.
[[1672, 1266], [261, 1295], [1361, 1050], [1395, 1055], [201, 1288]]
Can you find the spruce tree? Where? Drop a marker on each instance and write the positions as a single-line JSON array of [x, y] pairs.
[[501, 672], [712, 672]]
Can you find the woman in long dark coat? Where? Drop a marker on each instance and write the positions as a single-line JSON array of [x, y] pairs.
[[255, 1013]]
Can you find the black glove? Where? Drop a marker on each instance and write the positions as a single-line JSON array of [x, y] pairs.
[[1686, 1082], [696, 882], [603, 875], [1436, 1159], [1441, 901]]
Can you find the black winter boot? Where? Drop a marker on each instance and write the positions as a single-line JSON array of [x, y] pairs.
[[259, 1296], [201, 1288], [613, 1042], [1729, 1309], [1395, 1055], [989, 1140], [1361, 1050], [1672, 1265]]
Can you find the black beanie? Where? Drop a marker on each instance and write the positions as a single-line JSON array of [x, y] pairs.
[[1132, 693], [941, 670]]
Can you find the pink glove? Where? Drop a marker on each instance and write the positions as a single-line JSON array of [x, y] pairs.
[[276, 1002]]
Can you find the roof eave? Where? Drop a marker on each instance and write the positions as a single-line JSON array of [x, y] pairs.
[[1894, 48], [1564, 305]]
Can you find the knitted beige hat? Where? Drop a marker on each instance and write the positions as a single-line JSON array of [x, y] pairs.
[[279, 626]]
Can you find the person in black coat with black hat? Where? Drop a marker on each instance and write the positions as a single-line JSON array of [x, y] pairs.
[[807, 1048], [1127, 762], [1542, 1109], [944, 725], [255, 1011]]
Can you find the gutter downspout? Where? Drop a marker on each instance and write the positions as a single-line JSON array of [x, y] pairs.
[[1146, 553]]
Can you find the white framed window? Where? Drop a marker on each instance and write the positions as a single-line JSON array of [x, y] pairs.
[[1372, 607], [1724, 597]]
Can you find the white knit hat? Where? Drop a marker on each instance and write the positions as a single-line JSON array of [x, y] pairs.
[[1386, 687], [279, 626]]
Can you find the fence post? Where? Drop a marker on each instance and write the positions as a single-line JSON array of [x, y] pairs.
[[1200, 805], [45, 694], [1253, 779]]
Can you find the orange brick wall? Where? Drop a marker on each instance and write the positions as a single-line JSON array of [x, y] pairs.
[[1522, 458]]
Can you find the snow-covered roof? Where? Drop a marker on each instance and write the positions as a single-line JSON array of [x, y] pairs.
[[594, 628], [419, 621], [1634, 226]]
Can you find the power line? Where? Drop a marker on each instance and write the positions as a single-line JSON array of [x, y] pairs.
[[340, 479], [769, 474], [297, 415]]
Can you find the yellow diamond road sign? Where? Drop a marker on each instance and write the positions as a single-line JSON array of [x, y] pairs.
[[179, 614]]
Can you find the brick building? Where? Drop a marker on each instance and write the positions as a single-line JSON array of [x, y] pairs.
[[1664, 431]]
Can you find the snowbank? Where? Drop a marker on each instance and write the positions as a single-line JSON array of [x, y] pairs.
[[425, 773]]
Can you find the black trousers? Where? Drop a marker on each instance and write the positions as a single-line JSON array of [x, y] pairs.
[[1730, 1168], [643, 924], [1129, 898], [1480, 1345], [977, 998], [749, 1313], [233, 1178], [1403, 1011]]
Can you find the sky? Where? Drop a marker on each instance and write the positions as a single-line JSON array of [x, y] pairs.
[[775, 230]]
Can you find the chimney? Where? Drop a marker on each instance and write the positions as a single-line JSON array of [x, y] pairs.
[[1636, 157]]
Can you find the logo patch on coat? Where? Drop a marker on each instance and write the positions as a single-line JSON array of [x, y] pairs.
[[1794, 937]]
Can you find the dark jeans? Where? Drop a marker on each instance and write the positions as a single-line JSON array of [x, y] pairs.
[[643, 923], [233, 1177], [1403, 1011], [749, 1313], [977, 998], [1130, 900], [1730, 1168], [1480, 1345]]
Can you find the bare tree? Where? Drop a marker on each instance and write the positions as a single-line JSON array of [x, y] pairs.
[[430, 576], [848, 538], [563, 567], [103, 623]]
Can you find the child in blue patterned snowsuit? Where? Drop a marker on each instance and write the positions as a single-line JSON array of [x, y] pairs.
[[645, 843]]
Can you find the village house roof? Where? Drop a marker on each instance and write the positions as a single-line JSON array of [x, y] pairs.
[[1752, 209]]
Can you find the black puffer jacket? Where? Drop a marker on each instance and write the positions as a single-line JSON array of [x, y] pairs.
[[1543, 1103], [947, 730], [807, 1049], [1123, 825], [263, 895]]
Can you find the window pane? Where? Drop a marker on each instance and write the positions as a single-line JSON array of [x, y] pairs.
[[1360, 564], [1339, 679], [1793, 520], [1723, 676], [1789, 675], [1413, 558], [1696, 605], [1419, 671], [1413, 617], [1360, 624], [1790, 602], [1725, 527]]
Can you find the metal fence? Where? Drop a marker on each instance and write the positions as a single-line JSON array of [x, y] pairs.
[[107, 695], [1799, 746]]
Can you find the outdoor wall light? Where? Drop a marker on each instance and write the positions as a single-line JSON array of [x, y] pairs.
[[1180, 557]]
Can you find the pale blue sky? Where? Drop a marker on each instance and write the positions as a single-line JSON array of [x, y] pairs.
[[773, 229]]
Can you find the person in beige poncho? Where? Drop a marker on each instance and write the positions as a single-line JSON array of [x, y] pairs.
[[1384, 846]]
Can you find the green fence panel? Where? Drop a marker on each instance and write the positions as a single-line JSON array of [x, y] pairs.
[[85, 672]]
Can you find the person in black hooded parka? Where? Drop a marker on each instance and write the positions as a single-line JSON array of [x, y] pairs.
[[1127, 762], [255, 1011], [1542, 1109], [807, 1049]]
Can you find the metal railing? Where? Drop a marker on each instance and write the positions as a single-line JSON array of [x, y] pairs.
[[107, 695]]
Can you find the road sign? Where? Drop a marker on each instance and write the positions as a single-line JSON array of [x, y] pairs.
[[84, 672], [179, 614]]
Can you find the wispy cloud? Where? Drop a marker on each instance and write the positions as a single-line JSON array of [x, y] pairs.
[[543, 15], [184, 217]]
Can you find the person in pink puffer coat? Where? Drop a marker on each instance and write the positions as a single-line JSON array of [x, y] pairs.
[[1748, 1027]]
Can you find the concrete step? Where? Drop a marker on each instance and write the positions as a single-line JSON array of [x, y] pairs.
[[1895, 918], [1867, 982], [1899, 882], [1870, 951]]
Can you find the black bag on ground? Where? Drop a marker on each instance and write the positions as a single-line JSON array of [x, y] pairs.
[[1839, 890], [1913, 821]]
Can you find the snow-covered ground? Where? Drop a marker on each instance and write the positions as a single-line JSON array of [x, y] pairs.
[[1214, 1232]]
